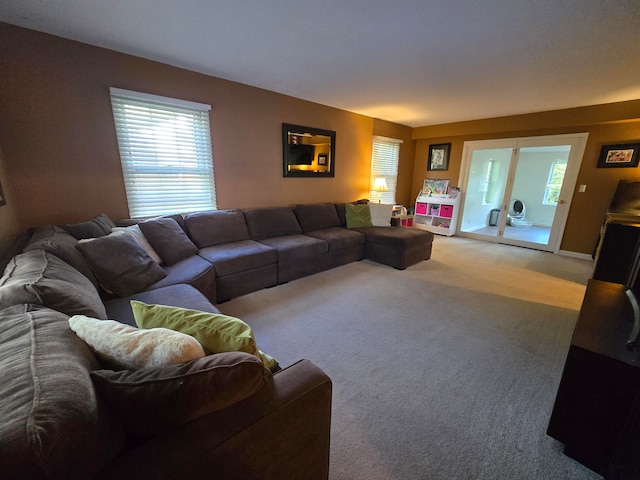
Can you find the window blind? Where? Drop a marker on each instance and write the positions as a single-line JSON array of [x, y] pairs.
[[166, 155], [384, 163]]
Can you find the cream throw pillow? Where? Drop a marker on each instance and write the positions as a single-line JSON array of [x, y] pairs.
[[216, 332], [380, 214], [131, 348]]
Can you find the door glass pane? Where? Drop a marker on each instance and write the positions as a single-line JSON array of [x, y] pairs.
[[489, 170], [534, 197]]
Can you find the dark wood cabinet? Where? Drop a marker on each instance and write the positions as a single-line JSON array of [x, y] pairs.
[[597, 408], [618, 253]]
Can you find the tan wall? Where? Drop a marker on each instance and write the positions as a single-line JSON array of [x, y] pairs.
[[61, 150], [9, 226], [606, 124], [61, 161]]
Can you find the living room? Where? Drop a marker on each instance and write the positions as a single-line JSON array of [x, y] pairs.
[[59, 163]]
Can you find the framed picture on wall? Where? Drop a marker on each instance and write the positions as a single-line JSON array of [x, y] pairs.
[[322, 159], [619, 155], [438, 156]]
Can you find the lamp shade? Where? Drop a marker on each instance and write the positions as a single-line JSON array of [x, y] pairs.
[[380, 184]]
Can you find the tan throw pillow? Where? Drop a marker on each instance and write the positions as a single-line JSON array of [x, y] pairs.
[[216, 332], [131, 348], [380, 214]]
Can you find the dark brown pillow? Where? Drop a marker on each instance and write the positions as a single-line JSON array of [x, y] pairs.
[[155, 400], [98, 227], [120, 263], [40, 278], [168, 239]]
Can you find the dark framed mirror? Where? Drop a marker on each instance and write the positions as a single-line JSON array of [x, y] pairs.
[[307, 151]]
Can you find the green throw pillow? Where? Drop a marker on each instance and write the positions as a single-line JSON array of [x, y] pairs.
[[358, 215], [216, 332]]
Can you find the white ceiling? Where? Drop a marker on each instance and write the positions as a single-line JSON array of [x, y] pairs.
[[414, 62]]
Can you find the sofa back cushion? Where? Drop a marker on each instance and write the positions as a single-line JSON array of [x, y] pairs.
[[97, 227], [53, 424], [271, 222], [168, 239], [316, 217], [216, 227], [41, 278], [152, 401], [62, 244]]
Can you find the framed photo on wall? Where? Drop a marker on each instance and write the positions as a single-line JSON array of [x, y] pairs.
[[619, 155], [438, 156]]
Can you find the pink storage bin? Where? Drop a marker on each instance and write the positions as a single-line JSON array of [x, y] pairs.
[[446, 211], [421, 208]]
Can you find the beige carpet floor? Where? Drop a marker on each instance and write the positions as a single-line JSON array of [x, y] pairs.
[[446, 370]]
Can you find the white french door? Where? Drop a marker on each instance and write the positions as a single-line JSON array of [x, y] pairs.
[[518, 191]]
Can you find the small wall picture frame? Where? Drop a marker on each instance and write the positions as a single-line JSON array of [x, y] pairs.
[[322, 158], [438, 157], [619, 155]]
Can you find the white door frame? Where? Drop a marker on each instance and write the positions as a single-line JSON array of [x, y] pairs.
[[578, 142]]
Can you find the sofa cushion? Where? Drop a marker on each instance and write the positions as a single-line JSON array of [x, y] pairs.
[[271, 222], [97, 227], [293, 248], [53, 424], [316, 217], [193, 270], [339, 238], [213, 228], [217, 333], [180, 295], [235, 257], [156, 400], [41, 278], [135, 232], [168, 238], [120, 263], [357, 215], [380, 214], [62, 244], [125, 347]]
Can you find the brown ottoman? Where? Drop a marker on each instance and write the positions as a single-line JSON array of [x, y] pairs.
[[398, 247]]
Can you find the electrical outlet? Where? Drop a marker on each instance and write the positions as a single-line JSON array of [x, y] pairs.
[[582, 188]]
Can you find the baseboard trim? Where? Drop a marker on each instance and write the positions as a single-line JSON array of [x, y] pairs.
[[567, 253]]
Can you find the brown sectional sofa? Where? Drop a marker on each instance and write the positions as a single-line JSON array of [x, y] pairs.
[[57, 425]]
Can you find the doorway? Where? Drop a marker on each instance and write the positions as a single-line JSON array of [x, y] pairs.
[[518, 191]]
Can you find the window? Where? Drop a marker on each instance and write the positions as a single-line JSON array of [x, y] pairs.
[[489, 183], [384, 164], [556, 176], [165, 149]]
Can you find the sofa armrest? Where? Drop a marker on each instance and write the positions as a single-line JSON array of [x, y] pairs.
[[283, 431]]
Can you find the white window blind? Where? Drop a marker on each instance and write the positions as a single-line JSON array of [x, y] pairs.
[[165, 149], [384, 163]]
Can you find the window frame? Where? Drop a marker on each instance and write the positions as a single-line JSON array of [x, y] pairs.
[[165, 152], [382, 167]]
